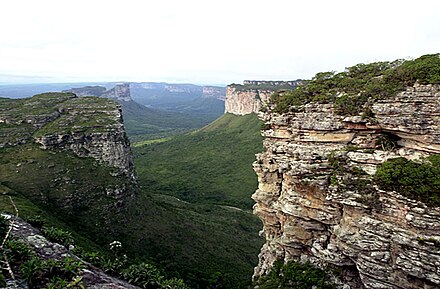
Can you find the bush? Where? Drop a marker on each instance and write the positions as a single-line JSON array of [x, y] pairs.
[[351, 90], [58, 236], [18, 251], [52, 273], [4, 224], [294, 275], [419, 181], [143, 274]]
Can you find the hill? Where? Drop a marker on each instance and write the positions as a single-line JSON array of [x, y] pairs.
[[211, 165]]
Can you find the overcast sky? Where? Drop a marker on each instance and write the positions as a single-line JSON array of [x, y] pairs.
[[207, 42]]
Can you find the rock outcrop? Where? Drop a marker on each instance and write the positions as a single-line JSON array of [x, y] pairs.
[[253, 95], [91, 276], [121, 92], [90, 127], [366, 236], [214, 92]]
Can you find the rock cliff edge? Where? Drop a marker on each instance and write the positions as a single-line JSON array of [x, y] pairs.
[[315, 207]]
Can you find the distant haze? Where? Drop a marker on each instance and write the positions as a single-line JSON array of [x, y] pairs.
[[206, 42]]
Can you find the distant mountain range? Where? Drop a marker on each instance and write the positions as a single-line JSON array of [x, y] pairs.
[[150, 109]]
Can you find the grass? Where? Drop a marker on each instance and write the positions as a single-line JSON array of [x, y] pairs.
[[212, 165], [151, 141]]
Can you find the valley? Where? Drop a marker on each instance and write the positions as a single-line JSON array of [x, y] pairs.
[[344, 184]]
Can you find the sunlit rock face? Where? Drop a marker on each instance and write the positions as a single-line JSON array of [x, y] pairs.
[[367, 237], [252, 95]]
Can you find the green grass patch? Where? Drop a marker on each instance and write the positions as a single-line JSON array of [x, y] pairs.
[[151, 141]]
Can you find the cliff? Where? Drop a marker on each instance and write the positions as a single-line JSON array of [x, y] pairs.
[[121, 92], [56, 140], [215, 92], [321, 201], [251, 96]]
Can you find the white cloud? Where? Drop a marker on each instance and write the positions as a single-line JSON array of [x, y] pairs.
[[209, 41]]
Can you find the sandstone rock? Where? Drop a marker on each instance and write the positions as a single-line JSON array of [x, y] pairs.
[[378, 239]]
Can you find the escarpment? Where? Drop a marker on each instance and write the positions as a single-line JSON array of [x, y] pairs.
[[321, 202], [251, 96], [72, 151]]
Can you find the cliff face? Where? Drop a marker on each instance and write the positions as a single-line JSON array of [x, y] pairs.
[[121, 92], [371, 237], [245, 102], [215, 92], [253, 95], [87, 127]]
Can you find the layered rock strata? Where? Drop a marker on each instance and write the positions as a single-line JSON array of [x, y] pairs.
[[368, 238], [253, 95], [245, 102]]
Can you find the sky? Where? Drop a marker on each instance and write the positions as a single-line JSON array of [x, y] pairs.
[[207, 42]]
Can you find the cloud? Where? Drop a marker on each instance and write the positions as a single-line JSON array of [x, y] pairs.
[[209, 41]]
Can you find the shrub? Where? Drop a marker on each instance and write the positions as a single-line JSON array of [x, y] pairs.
[[350, 90], [58, 236], [143, 274], [52, 273], [36, 221], [420, 181], [295, 275], [4, 224], [18, 251]]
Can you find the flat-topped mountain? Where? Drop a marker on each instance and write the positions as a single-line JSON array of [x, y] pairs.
[[253, 95]]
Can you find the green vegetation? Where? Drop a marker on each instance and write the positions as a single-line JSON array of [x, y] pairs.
[[3, 227], [143, 123], [351, 90], [294, 275], [266, 87], [58, 235], [420, 181], [212, 165], [52, 273], [205, 244]]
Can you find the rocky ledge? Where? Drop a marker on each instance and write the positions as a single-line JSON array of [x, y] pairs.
[[367, 237], [90, 276]]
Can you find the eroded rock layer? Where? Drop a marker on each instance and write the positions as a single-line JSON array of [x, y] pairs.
[[368, 238], [253, 95]]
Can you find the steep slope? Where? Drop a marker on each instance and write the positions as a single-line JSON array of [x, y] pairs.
[[211, 165], [349, 176], [68, 156], [189, 176]]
